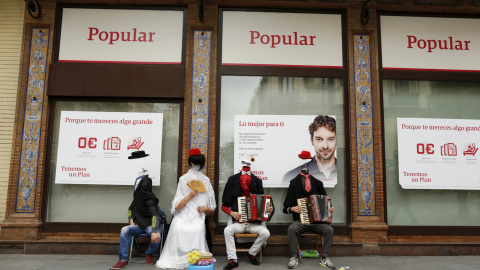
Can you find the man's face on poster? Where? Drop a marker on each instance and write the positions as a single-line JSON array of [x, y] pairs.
[[325, 142]]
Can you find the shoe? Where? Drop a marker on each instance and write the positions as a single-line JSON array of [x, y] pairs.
[[326, 263], [252, 259], [149, 258], [230, 265], [120, 265], [293, 263]]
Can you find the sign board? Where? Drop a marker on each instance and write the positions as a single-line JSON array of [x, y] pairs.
[[438, 153], [121, 36], [275, 141], [93, 147], [428, 43], [282, 39]]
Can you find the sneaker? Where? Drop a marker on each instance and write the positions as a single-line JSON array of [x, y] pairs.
[[120, 265], [326, 263], [230, 265], [293, 263], [252, 259], [149, 258]]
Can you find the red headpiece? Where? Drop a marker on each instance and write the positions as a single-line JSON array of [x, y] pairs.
[[305, 155], [194, 152]]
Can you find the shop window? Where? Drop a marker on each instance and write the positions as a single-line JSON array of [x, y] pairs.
[[271, 95], [109, 203], [427, 99]]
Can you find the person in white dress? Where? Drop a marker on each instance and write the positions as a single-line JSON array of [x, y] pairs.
[[189, 207]]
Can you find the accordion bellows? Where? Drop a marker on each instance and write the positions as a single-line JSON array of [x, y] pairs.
[[315, 209], [196, 185], [253, 207]]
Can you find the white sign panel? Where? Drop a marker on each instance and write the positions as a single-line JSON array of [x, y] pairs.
[[438, 153], [121, 36], [282, 39], [93, 147], [430, 43], [275, 141]]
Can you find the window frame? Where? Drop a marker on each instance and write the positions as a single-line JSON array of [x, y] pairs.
[[89, 227], [416, 75], [281, 228]]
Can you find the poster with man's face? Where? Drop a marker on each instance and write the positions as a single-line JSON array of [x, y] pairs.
[[275, 142]]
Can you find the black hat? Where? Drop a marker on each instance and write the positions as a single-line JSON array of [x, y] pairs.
[[138, 154]]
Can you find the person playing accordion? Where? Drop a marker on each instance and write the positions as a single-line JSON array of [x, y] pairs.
[[302, 186], [238, 185]]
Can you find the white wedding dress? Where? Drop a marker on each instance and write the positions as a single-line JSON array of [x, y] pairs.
[[187, 230]]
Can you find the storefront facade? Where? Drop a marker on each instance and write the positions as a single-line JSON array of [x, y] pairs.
[[202, 69], [12, 23]]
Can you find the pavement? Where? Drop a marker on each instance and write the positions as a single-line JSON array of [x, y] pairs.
[[104, 262]]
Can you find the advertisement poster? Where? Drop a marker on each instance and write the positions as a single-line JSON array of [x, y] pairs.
[[438, 153], [275, 141], [93, 147]]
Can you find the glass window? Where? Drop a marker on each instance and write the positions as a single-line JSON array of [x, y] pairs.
[[427, 99], [270, 95], [109, 203]]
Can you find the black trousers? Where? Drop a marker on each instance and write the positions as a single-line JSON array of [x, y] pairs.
[[297, 228]]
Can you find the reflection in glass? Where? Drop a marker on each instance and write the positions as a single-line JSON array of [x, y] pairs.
[[427, 99], [269, 95], [109, 203]]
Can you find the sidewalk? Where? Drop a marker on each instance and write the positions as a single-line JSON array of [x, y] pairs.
[[104, 262]]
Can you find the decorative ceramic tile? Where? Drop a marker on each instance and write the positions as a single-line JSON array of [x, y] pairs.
[[364, 126], [200, 92], [32, 122]]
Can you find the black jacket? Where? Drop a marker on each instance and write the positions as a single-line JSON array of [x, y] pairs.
[[296, 191], [144, 207], [233, 190]]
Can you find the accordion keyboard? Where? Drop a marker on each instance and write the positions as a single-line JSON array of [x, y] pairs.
[[242, 208], [304, 219]]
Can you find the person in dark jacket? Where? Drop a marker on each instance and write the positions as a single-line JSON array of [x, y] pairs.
[[243, 184], [302, 186], [144, 218]]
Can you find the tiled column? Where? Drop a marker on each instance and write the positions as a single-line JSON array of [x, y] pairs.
[[368, 226], [366, 193], [200, 92], [23, 221]]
